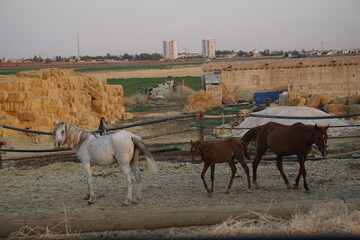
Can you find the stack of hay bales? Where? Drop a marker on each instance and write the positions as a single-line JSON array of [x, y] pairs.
[[332, 105], [36, 99], [199, 102]]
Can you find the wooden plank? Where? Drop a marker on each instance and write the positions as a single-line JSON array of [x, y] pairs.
[[155, 218]]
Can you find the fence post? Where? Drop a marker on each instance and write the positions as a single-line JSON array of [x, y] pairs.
[[201, 125], [102, 126], [1, 163]]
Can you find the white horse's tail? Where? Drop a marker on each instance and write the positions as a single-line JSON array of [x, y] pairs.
[[143, 149]]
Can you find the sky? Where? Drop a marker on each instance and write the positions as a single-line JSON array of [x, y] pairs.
[[50, 27]]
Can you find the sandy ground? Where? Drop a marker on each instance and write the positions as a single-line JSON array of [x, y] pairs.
[[151, 73], [43, 190]]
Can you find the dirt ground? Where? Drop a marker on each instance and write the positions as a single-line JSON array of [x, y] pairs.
[[150, 73]]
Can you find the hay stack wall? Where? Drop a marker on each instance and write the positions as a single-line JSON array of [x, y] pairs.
[[36, 99], [336, 76]]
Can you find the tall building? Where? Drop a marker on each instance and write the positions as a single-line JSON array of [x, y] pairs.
[[170, 49], [208, 48]]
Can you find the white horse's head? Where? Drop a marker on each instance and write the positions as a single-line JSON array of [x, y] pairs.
[[60, 134]]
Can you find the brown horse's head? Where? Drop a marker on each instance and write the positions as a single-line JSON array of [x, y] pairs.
[[194, 149], [320, 139]]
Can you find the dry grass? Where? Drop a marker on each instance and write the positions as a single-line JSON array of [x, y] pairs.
[[137, 99], [327, 219], [200, 101], [181, 96]]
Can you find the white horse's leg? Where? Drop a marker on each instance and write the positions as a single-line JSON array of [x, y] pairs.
[[127, 172], [88, 172], [135, 169]]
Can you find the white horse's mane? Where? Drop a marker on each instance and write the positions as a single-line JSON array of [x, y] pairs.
[[74, 136]]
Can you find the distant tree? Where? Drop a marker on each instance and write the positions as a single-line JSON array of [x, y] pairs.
[[143, 56], [155, 56], [127, 56], [241, 54]]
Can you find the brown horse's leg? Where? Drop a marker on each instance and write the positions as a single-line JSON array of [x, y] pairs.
[[260, 151], [233, 171], [302, 170], [206, 166], [279, 164], [297, 179]]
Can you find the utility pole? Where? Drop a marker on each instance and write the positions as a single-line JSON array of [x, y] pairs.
[[78, 46]]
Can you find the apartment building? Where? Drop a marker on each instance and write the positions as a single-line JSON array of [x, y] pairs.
[[208, 48], [170, 49]]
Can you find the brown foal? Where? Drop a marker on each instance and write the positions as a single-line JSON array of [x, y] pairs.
[[220, 152]]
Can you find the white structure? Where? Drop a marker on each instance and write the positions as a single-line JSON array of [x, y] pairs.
[[170, 49], [208, 48]]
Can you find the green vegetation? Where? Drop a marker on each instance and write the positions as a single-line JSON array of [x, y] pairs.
[[131, 86]]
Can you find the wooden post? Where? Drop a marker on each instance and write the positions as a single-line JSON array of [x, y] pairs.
[[157, 218], [1, 163], [201, 125]]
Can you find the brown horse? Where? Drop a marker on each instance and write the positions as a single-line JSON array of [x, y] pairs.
[[286, 140], [220, 152]]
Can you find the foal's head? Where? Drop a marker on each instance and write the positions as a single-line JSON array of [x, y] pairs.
[[320, 139], [194, 149], [59, 132]]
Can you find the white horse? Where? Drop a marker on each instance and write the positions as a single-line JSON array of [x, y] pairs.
[[91, 149]]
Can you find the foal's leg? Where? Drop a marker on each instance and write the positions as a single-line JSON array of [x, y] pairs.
[[206, 166], [233, 171], [88, 171], [279, 164]]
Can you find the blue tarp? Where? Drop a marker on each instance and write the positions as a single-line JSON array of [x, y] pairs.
[[260, 96]]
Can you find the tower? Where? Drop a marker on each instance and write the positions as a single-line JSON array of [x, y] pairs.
[[208, 47]]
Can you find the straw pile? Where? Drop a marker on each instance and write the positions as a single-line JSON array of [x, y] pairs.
[[332, 105], [327, 219], [36, 99], [199, 102]]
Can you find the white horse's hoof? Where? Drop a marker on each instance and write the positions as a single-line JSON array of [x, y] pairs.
[[127, 202], [90, 201]]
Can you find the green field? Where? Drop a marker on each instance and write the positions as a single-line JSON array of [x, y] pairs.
[[132, 86]]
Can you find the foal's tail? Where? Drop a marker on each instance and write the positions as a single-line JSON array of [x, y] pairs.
[[143, 149], [250, 136]]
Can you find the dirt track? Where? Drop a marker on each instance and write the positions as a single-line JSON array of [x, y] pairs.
[[150, 73], [44, 190]]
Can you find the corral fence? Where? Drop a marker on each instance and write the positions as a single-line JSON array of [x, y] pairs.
[[200, 125]]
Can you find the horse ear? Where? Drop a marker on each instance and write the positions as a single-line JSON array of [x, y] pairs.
[[326, 128], [316, 127], [56, 122]]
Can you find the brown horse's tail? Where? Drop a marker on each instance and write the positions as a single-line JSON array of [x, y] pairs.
[[250, 136]]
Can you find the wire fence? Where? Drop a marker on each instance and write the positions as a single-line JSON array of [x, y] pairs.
[[200, 123]]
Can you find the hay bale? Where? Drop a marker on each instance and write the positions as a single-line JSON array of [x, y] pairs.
[[341, 100], [199, 102], [326, 99], [291, 102], [355, 108], [59, 94], [314, 101], [336, 108], [354, 99], [3, 95]]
